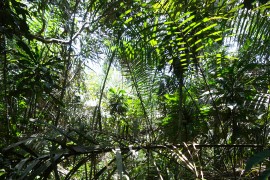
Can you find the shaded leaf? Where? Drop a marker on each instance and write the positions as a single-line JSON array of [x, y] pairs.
[[257, 158], [264, 175], [26, 49]]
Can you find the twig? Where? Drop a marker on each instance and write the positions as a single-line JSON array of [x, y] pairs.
[[61, 41]]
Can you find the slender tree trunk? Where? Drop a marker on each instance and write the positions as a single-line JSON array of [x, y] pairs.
[[64, 85], [180, 110], [4, 74]]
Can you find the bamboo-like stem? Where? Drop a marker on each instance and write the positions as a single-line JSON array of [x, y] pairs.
[[97, 121]]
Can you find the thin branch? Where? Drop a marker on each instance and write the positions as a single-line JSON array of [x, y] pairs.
[[76, 150], [135, 81], [61, 41], [102, 89]]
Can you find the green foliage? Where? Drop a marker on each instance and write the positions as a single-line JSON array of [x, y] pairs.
[[117, 102], [13, 19], [256, 159], [39, 70], [191, 72]]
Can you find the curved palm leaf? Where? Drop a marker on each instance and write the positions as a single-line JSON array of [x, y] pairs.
[[168, 37]]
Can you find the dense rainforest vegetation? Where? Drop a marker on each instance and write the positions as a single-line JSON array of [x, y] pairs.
[[134, 89]]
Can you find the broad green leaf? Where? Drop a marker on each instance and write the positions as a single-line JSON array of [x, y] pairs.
[[257, 158], [2, 172], [26, 49], [29, 168], [264, 175], [19, 143], [21, 164], [45, 166]]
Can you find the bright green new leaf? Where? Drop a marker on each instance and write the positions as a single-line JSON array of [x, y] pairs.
[[207, 28], [153, 42], [128, 20], [187, 20], [218, 39], [127, 12], [2, 172]]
